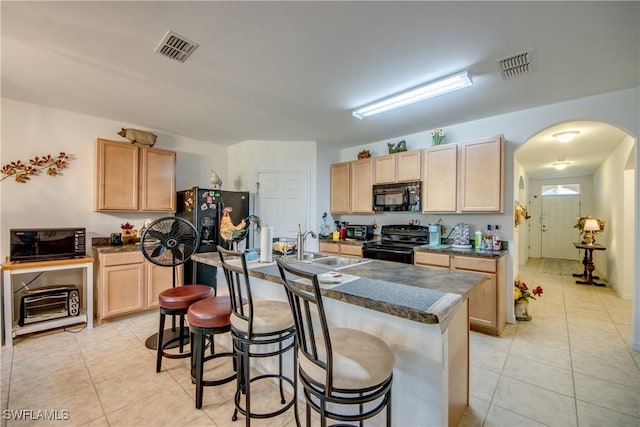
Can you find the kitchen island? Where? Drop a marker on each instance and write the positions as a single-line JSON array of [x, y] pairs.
[[421, 313]]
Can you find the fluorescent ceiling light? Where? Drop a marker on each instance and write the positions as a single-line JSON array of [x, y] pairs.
[[560, 165], [566, 136], [429, 90]]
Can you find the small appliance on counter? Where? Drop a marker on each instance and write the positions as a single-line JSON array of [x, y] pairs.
[[434, 235], [359, 232], [44, 244]]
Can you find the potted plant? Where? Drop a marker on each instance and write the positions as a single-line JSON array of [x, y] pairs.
[[521, 296]]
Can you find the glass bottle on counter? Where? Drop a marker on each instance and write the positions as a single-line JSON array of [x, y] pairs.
[[496, 242]]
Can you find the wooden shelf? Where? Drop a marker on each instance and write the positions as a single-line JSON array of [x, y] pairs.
[[50, 324], [9, 269]]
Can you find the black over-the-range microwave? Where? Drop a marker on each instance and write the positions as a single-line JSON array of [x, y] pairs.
[[398, 197], [43, 244]]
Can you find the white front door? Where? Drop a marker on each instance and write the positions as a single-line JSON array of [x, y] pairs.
[[283, 202], [558, 217]]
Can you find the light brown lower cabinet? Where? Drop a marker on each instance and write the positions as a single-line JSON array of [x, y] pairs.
[[341, 249], [487, 301], [127, 283]]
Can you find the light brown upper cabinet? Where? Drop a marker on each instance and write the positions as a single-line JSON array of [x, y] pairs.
[[466, 178], [341, 188], [361, 186], [135, 178], [398, 167], [351, 187], [482, 176], [440, 175]]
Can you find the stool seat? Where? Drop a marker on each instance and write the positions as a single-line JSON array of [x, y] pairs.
[[211, 312], [181, 297], [269, 317], [360, 360]]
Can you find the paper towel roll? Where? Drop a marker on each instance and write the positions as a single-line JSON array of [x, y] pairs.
[[266, 244]]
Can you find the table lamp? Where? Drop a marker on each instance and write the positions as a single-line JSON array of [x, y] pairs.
[[590, 225]]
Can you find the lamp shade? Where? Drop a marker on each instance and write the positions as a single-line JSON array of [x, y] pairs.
[[591, 224]]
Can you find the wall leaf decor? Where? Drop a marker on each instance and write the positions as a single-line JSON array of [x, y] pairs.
[[22, 172]]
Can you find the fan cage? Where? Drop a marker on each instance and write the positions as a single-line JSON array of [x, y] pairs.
[[169, 241]]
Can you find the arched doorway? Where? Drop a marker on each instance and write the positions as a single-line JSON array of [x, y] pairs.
[[607, 163]]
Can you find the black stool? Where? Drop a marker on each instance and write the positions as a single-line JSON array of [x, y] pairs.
[[207, 317], [176, 302], [257, 327]]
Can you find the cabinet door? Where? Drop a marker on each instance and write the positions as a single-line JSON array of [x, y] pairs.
[[157, 180], [332, 248], [429, 259], [385, 169], [483, 304], [160, 278], [351, 250], [117, 176], [340, 188], [362, 186], [122, 289], [440, 176], [409, 166], [481, 176]]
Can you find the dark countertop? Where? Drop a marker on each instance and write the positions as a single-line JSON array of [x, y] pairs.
[[422, 294], [116, 249], [449, 250]]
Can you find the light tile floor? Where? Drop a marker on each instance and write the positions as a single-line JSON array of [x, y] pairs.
[[569, 366]]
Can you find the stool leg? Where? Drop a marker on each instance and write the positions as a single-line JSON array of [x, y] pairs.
[[246, 363], [199, 351], [389, 409], [282, 399], [181, 333], [160, 339]]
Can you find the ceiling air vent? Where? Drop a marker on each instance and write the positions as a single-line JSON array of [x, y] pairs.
[[176, 47], [517, 65]]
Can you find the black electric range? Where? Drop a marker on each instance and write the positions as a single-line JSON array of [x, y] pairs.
[[397, 243]]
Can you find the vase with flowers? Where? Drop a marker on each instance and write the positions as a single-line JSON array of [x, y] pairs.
[[437, 135], [521, 296]]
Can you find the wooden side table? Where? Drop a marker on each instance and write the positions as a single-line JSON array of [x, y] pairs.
[[588, 263]]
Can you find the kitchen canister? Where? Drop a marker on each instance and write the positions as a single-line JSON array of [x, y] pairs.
[[477, 239], [266, 244]]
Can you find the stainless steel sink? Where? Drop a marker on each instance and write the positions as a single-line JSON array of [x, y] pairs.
[[311, 256], [336, 263]]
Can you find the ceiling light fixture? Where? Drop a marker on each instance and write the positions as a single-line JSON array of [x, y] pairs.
[[429, 90], [560, 165], [566, 136]]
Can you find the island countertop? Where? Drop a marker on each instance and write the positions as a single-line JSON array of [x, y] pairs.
[[422, 294]]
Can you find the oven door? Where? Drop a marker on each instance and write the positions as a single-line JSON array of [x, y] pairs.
[[403, 255]]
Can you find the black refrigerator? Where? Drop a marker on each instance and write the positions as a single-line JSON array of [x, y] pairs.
[[202, 207]]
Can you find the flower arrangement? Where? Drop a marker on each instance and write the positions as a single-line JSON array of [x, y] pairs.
[[582, 219], [437, 135], [522, 293]]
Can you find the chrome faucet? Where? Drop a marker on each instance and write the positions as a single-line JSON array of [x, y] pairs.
[[300, 241]]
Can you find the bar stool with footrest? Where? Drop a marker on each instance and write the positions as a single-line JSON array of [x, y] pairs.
[[175, 302], [342, 371], [208, 317], [260, 329]]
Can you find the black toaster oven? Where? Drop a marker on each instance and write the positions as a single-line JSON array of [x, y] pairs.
[[359, 232]]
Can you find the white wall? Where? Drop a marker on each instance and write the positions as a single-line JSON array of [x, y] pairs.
[[610, 206], [68, 200], [247, 159]]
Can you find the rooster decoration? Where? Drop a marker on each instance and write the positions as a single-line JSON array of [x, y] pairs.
[[235, 233]]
